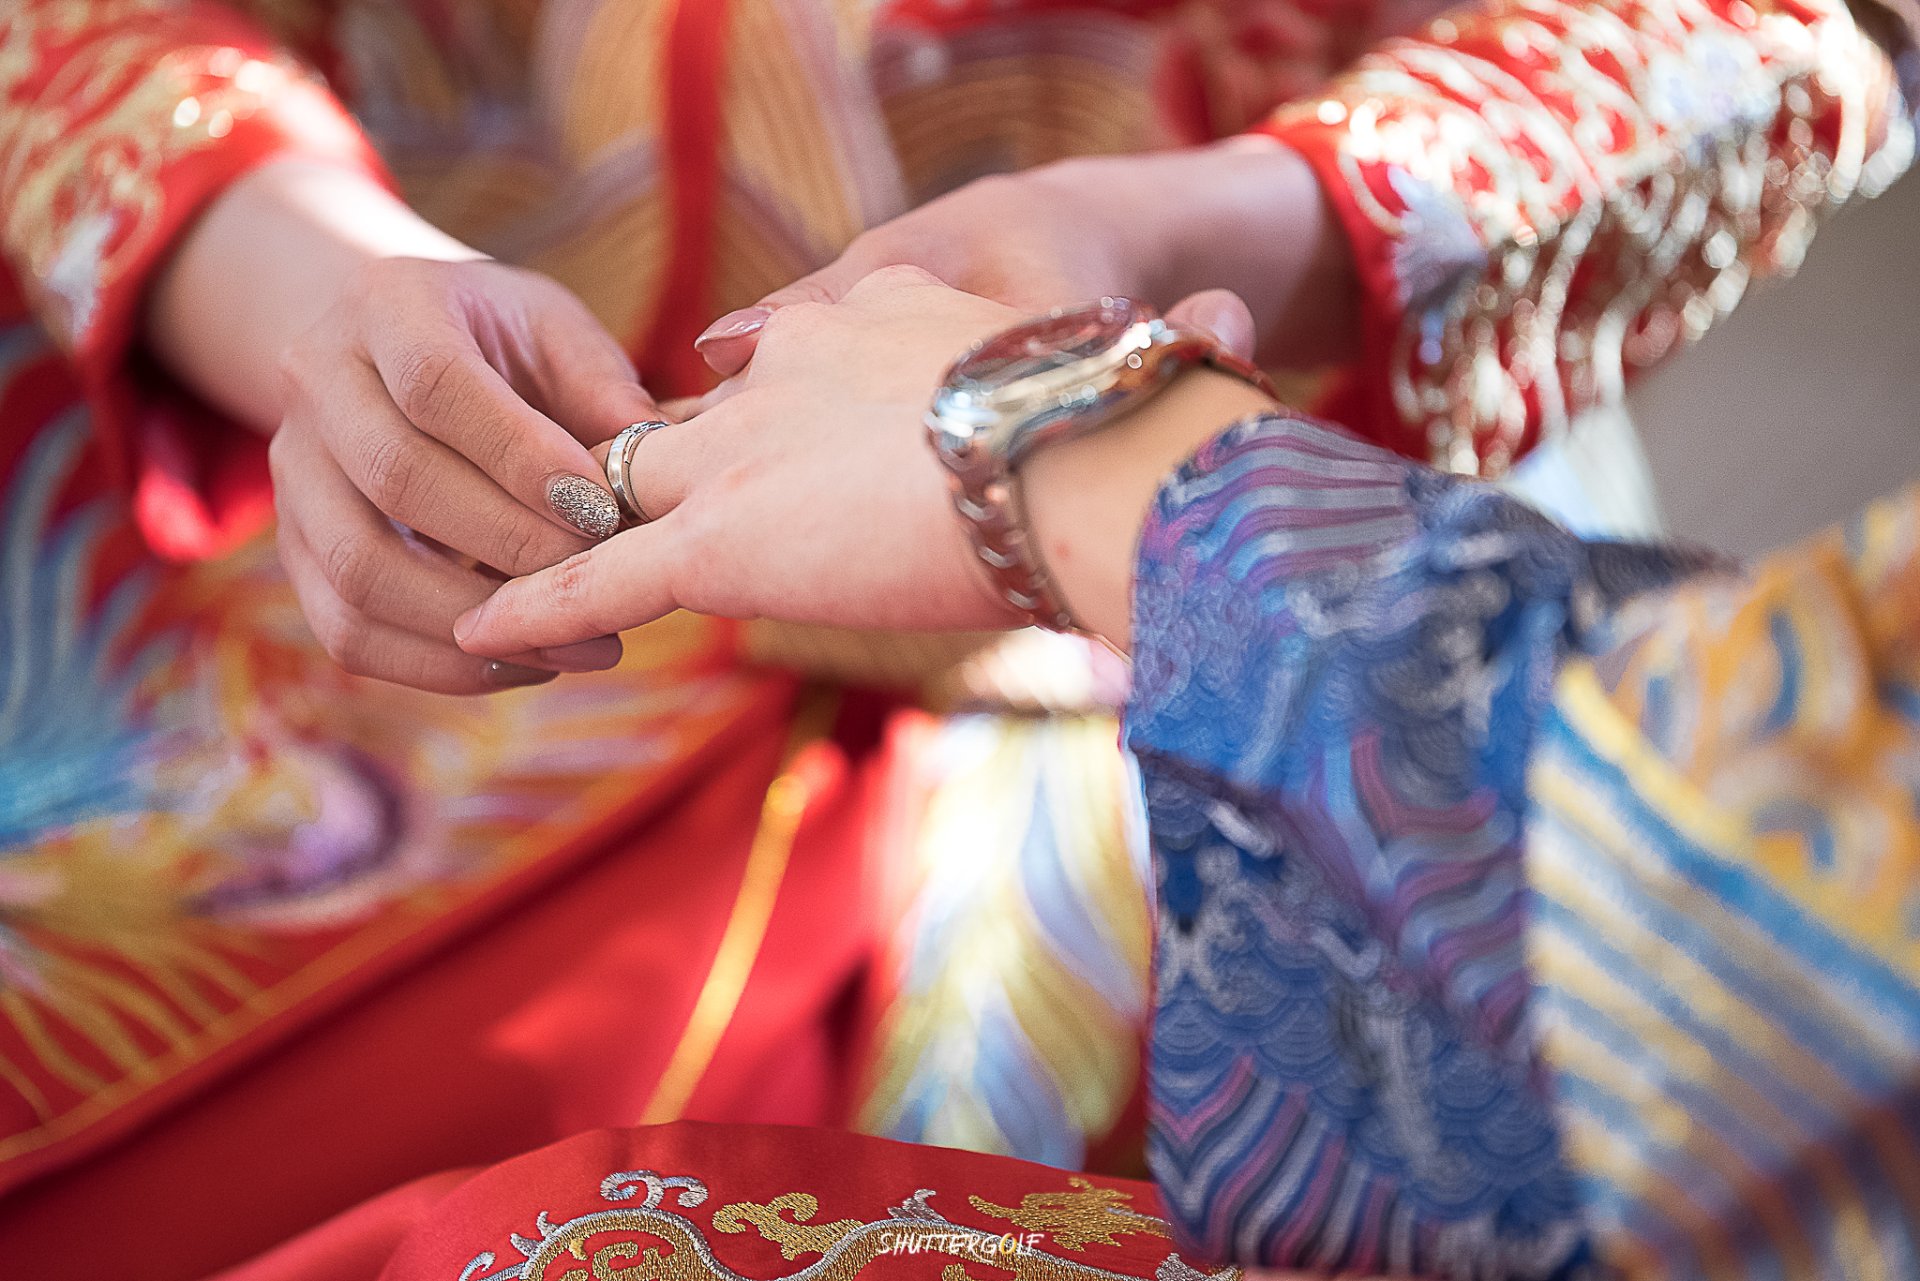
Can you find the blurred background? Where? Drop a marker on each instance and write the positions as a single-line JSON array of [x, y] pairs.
[[1805, 403]]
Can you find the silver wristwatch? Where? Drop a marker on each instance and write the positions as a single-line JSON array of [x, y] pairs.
[[1054, 378]]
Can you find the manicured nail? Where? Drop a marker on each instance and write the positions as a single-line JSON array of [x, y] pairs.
[[735, 324], [584, 505], [596, 655], [463, 626], [509, 675]]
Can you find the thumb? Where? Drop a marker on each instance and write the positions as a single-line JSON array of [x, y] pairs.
[[1221, 313], [729, 342]]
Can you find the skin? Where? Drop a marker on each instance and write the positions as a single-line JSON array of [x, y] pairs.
[[408, 381], [1246, 215], [842, 516], [405, 379]]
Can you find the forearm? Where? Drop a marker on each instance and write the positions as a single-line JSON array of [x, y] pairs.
[[264, 262]]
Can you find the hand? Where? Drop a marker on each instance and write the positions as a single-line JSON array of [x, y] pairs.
[[806, 489], [456, 400], [1159, 227]]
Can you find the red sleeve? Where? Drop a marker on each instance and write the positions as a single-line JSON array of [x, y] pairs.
[[1543, 194], [119, 122]]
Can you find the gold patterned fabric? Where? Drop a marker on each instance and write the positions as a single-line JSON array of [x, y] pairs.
[[1543, 195], [106, 99], [1724, 856], [665, 160], [713, 1203], [668, 160]]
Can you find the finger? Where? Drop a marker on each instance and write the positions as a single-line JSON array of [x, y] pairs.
[[663, 466], [374, 569], [377, 650], [692, 407], [1220, 312], [371, 566], [427, 486], [440, 381], [729, 342], [609, 588], [585, 381]]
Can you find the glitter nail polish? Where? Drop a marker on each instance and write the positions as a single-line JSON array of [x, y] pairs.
[[584, 505]]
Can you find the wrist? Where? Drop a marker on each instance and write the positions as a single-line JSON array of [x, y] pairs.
[[1247, 215], [295, 232], [1086, 501]]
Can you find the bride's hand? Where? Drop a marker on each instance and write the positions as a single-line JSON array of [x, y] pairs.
[[805, 490]]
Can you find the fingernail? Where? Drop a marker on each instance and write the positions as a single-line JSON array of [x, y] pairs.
[[510, 675], [584, 505], [596, 655], [735, 324], [463, 626]]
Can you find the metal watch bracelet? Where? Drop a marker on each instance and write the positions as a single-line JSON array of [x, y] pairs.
[[986, 494]]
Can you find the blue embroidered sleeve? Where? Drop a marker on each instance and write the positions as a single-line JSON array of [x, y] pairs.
[[1340, 657]]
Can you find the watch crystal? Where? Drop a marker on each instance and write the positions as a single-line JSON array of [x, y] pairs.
[[1043, 345]]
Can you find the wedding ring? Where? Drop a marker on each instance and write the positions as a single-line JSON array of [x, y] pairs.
[[620, 468]]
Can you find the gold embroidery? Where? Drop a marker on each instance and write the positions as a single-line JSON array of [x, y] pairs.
[[910, 1228], [1549, 232], [242, 866], [796, 1236], [1089, 1214], [81, 164]]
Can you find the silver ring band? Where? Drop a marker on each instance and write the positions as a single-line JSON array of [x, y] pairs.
[[620, 464]]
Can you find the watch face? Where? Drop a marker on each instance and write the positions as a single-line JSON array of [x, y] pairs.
[[1044, 345]]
